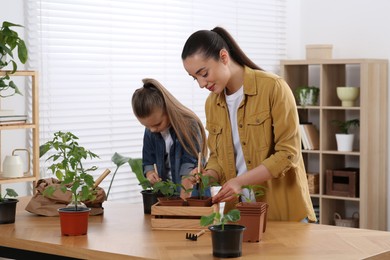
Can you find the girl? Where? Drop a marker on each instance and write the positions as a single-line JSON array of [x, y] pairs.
[[253, 126], [173, 136]]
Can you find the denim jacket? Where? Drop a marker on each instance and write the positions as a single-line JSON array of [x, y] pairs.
[[153, 152]]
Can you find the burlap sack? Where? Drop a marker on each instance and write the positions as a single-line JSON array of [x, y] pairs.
[[48, 206]]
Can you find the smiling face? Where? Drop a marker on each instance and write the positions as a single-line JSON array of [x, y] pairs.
[[156, 122], [209, 73]]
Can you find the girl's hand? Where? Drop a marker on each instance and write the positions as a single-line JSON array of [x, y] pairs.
[[153, 177]]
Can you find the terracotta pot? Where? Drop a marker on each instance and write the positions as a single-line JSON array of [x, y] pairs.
[[149, 198], [254, 218], [170, 201], [7, 211], [74, 223], [198, 202], [227, 243]]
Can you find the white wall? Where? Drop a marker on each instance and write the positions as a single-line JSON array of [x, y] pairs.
[[356, 28]]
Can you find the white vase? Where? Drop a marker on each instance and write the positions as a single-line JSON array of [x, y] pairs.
[[344, 142]]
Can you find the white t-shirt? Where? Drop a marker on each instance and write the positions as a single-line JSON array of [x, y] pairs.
[[168, 144], [233, 101]]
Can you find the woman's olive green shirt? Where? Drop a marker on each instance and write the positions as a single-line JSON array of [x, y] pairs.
[[268, 127]]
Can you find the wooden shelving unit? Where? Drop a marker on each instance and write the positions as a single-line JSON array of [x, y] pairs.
[[370, 151], [31, 125]]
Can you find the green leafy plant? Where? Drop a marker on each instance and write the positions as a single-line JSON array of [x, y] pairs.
[[167, 188], [345, 126], [256, 190], [217, 218], [67, 165], [136, 167], [9, 193], [307, 95], [9, 40], [204, 183]]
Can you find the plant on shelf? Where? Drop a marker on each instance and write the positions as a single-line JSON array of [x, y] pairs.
[[345, 125], [344, 138], [307, 95], [226, 238], [9, 40], [8, 206]]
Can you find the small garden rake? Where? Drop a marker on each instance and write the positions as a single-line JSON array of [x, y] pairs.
[[194, 237]]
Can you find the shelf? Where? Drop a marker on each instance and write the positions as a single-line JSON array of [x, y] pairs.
[[370, 143], [32, 127]]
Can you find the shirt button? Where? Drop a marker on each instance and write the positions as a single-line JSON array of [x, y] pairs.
[[257, 120], [289, 157], [249, 162], [243, 143], [240, 125]]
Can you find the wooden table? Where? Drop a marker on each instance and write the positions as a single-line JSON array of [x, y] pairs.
[[124, 232]]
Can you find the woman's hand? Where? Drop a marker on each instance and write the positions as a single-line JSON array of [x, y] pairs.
[[229, 191], [153, 177]]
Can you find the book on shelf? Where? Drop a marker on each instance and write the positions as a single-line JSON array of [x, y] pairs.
[[305, 141], [310, 136]]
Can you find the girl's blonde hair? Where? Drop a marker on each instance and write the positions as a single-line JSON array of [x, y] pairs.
[[153, 96]]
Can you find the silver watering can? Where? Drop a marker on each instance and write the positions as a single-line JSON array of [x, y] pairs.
[[13, 165]]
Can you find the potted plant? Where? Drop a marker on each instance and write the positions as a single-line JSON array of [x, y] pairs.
[[253, 213], [149, 196], [8, 206], [226, 238], [169, 193], [9, 40], [202, 199], [67, 165], [344, 138], [307, 95]]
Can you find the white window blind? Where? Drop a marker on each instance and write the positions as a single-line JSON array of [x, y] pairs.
[[92, 54]]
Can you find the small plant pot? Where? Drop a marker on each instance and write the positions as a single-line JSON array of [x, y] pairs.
[[171, 201], [199, 202], [8, 211], [307, 96], [74, 223], [227, 243], [344, 142], [149, 198], [254, 218]]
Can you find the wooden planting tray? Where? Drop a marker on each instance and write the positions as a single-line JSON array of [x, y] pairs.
[[179, 217]]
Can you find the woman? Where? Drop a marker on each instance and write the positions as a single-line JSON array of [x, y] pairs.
[[173, 136], [253, 126]]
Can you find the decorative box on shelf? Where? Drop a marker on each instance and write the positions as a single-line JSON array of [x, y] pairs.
[[343, 182], [179, 217], [319, 51], [313, 181]]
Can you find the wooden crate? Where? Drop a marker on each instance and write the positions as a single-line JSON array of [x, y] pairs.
[[179, 217], [343, 182]]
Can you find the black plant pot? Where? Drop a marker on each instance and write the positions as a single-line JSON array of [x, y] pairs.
[[227, 243], [149, 198], [7, 211]]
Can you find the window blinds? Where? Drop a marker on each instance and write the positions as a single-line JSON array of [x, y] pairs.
[[92, 55]]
